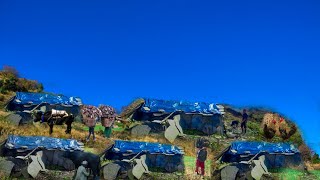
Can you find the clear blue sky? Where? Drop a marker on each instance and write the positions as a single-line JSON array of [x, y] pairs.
[[262, 53]]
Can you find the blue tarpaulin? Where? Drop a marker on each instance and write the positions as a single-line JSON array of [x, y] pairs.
[[31, 142], [152, 148], [256, 147], [185, 106], [277, 155], [38, 98], [164, 157]]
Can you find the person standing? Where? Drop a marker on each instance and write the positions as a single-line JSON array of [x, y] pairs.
[[91, 123], [51, 123], [107, 132], [244, 121], [69, 121], [108, 123], [201, 158], [82, 173]]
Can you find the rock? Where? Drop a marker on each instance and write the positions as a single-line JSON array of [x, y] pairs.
[[34, 167], [140, 130], [14, 119], [259, 169], [140, 168], [229, 173], [170, 167], [171, 132], [6, 167], [24, 172], [110, 171], [68, 165], [57, 158], [176, 120]]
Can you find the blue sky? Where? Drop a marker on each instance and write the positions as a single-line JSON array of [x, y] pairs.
[[263, 53]]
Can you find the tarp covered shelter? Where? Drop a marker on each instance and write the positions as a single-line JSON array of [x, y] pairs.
[[165, 157], [278, 155], [21, 144], [66, 154], [27, 101], [204, 117], [185, 106]]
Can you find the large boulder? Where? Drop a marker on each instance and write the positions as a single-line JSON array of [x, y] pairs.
[[18, 118], [140, 130], [6, 167]]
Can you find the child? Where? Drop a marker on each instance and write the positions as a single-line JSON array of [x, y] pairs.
[[201, 158]]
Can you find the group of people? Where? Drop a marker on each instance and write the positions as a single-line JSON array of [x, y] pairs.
[[91, 114], [91, 123], [54, 117]]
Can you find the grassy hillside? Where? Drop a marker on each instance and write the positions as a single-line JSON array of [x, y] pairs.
[[10, 81], [79, 132]]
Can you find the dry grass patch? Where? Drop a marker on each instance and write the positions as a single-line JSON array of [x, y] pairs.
[[37, 129]]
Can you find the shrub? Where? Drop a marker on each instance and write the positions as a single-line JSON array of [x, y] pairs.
[[28, 85], [10, 70], [8, 77], [305, 152], [10, 81], [315, 159]]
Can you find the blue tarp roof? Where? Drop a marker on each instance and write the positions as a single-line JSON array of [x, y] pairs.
[[31, 142], [185, 106], [256, 147], [136, 147], [38, 98]]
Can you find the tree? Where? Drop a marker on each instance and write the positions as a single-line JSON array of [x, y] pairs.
[[10, 71], [315, 158], [10, 81], [8, 78]]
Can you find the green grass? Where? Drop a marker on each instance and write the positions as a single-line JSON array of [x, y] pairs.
[[99, 128], [288, 174], [191, 132], [190, 162], [118, 129], [316, 173], [91, 150], [96, 128]]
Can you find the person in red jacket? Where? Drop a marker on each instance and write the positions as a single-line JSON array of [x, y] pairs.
[[201, 158]]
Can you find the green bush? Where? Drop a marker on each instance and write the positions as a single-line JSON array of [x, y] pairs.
[[315, 159], [296, 138]]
